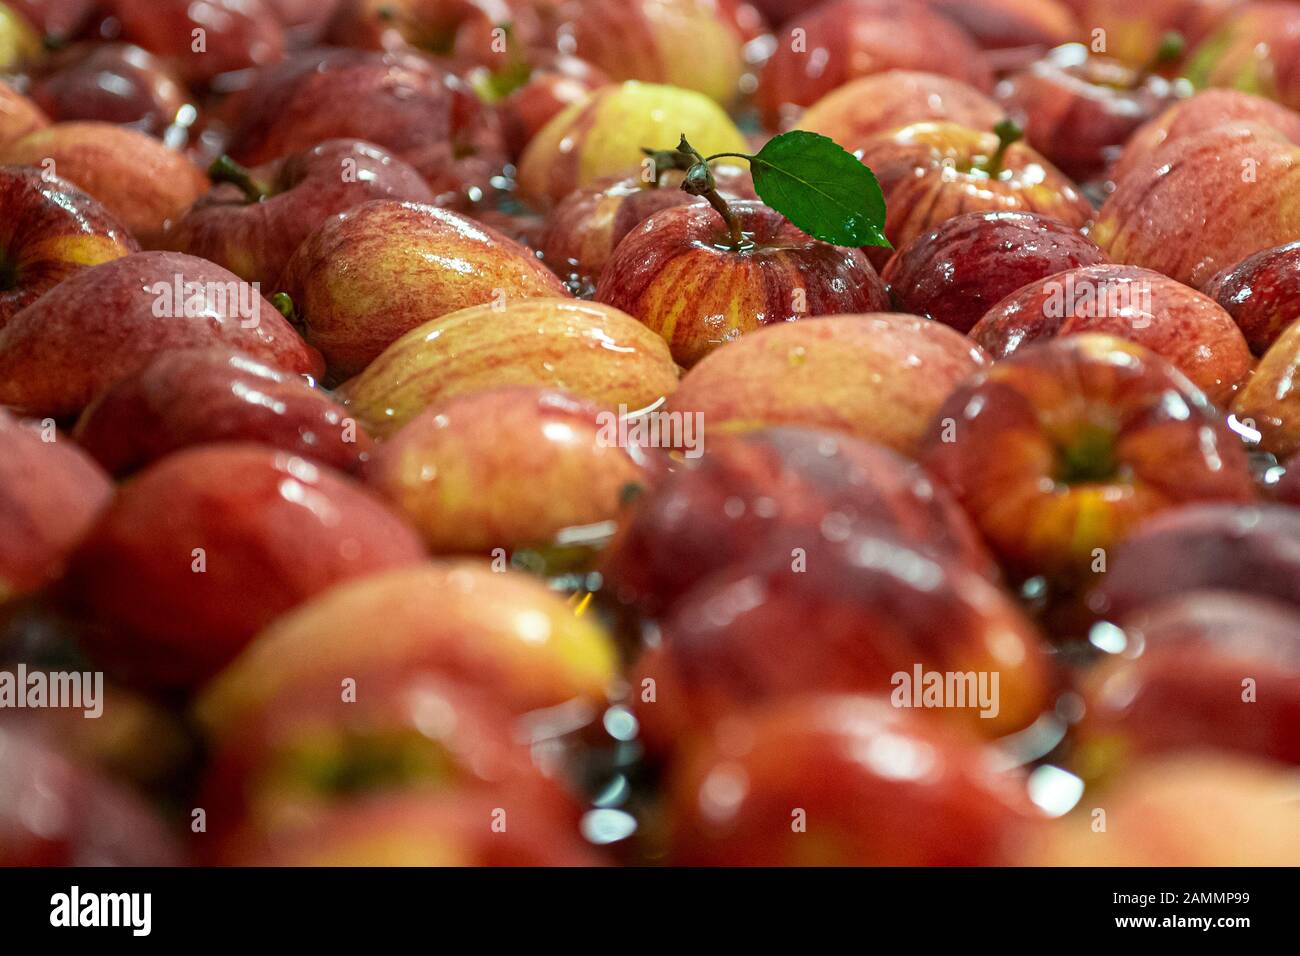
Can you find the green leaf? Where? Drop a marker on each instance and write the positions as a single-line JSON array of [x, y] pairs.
[[821, 188]]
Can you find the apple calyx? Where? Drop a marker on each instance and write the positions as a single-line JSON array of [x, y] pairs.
[[226, 170], [1008, 132]]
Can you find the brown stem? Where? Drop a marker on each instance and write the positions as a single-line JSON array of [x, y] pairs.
[[699, 181]]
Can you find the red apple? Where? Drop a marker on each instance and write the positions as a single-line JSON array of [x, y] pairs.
[[201, 396], [207, 546], [63, 231], [18, 115], [678, 273], [959, 270], [50, 494], [1259, 293], [369, 275], [1132, 31], [255, 219], [202, 39], [105, 323], [304, 21], [821, 50], [1179, 324], [1012, 26], [930, 172], [844, 781], [553, 82], [1269, 401], [1058, 452], [462, 30], [58, 19], [1255, 48]]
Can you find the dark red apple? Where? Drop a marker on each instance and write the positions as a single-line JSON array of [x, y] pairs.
[[553, 82], [1261, 293], [202, 39]]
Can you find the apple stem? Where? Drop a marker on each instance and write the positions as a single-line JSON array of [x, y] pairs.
[[699, 181], [226, 170], [283, 303], [662, 161], [1008, 132], [1171, 48]]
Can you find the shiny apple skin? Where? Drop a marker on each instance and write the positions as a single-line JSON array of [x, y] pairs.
[[555, 82], [750, 490], [928, 796], [1255, 48], [238, 34], [50, 230], [57, 354], [677, 273], [869, 106], [50, 494], [18, 115], [923, 188], [1191, 210], [1066, 447], [1270, 401], [589, 350], [542, 467], [256, 513], [110, 82], [880, 377], [845, 39], [1184, 327], [1259, 293], [966, 265], [254, 240], [204, 396]]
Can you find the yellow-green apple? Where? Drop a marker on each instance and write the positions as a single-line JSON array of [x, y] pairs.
[[502, 631], [1196, 115], [1058, 452], [1270, 402], [20, 44], [1255, 48], [206, 547], [405, 103], [589, 350], [105, 322], [1132, 31], [820, 50], [548, 463], [538, 91], [1202, 203], [747, 491], [367, 276], [137, 178], [684, 43], [254, 219], [679, 273], [1261, 293], [50, 494], [18, 115], [187, 397], [1185, 327], [49, 230], [880, 377], [605, 134], [202, 39], [871, 105], [841, 780], [930, 172], [966, 265]]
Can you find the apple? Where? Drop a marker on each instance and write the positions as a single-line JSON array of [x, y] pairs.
[[462, 30], [191, 397], [56, 19], [1186, 328], [504, 632], [553, 82], [930, 172], [1258, 291], [402, 102], [843, 781], [63, 232], [1287, 488], [880, 377], [20, 44], [1204, 547], [255, 219], [50, 494], [55, 813], [1269, 401], [1012, 26], [137, 178], [967, 264], [18, 115], [208, 545], [202, 39], [751, 490], [822, 49], [369, 275], [114, 83], [1203, 203], [1079, 109], [1131, 31], [1198, 670], [604, 135], [590, 350], [1255, 49], [304, 21], [861, 109], [1058, 452], [104, 323], [679, 273], [1196, 115]]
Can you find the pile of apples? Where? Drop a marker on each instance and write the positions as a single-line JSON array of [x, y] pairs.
[[368, 581]]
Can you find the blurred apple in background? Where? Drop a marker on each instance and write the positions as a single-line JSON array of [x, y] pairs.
[[1261, 293], [1012, 31], [18, 115], [1255, 48], [537, 91], [304, 21], [57, 19], [1131, 31], [20, 43], [1270, 402], [464, 31]]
